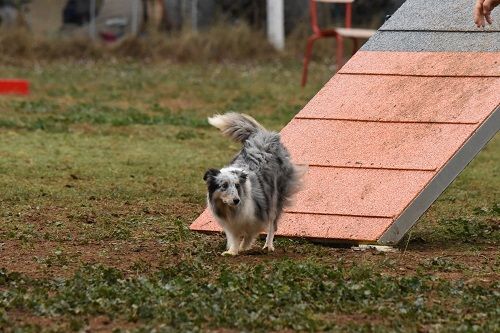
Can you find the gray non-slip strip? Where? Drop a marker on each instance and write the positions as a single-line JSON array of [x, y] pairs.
[[438, 15], [427, 41]]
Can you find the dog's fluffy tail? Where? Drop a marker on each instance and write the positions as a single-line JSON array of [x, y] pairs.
[[295, 183], [237, 126]]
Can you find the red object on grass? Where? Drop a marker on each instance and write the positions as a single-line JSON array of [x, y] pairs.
[[14, 86]]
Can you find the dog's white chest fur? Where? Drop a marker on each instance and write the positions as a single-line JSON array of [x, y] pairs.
[[241, 220]]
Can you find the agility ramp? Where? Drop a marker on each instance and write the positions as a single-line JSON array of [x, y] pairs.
[[393, 128]]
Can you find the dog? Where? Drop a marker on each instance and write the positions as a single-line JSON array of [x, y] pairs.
[[247, 197]]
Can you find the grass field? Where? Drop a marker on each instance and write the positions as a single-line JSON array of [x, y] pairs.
[[101, 174]]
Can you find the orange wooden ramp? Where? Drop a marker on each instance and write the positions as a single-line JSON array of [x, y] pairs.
[[393, 128]]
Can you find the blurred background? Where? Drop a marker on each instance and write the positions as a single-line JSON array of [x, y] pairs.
[[180, 30], [101, 173]]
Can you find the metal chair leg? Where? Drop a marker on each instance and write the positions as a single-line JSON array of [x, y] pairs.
[[355, 45], [340, 51], [307, 58]]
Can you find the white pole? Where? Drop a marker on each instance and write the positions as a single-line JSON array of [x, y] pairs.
[[194, 15], [135, 17], [276, 23], [92, 23]]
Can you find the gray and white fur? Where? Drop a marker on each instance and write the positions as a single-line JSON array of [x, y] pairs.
[[247, 197]]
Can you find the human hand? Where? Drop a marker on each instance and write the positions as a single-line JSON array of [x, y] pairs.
[[482, 11]]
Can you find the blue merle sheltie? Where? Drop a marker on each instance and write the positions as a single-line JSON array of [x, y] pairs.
[[247, 197]]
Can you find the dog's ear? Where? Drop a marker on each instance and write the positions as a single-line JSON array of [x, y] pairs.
[[211, 173], [243, 177]]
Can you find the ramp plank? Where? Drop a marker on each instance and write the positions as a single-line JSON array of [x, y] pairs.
[[432, 15], [355, 144], [405, 99], [431, 41], [424, 63], [359, 192], [314, 226]]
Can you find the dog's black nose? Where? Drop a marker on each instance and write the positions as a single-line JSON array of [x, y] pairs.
[[236, 201]]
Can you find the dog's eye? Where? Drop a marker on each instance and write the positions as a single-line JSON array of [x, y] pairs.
[[237, 186], [224, 186]]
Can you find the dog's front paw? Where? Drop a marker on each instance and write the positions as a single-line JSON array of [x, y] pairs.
[[270, 248], [229, 253]]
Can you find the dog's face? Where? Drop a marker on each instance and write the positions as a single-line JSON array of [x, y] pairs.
[[225, 185]]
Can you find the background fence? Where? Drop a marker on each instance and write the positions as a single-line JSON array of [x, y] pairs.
[[112, 19]]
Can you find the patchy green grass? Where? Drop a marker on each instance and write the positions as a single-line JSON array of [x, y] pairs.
[[264, 297], [100, 173]]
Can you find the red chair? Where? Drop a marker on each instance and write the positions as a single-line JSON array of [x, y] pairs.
[[338, 33]]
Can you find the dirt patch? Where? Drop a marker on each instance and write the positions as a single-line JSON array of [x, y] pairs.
[[101, 324], [61, 259], [27, 319], [56, 259], [104, 324], [343, 319]]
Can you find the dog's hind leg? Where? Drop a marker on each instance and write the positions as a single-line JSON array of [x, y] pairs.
[[247, 242], [233, 244], [270, 237], [273, 220]]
